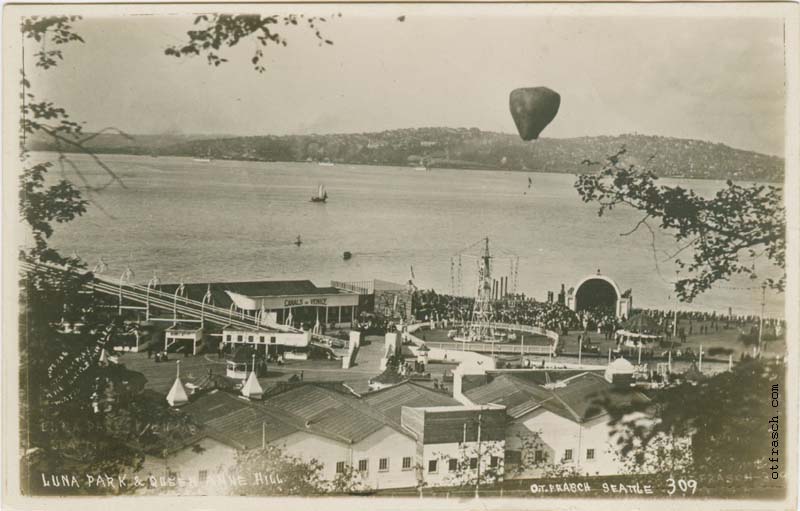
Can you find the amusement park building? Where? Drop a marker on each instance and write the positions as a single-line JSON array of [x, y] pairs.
[[554, 418], [300, 299], [600, 291], [300, 302]]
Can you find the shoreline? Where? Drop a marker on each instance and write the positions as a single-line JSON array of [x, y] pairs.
[[476, 167]]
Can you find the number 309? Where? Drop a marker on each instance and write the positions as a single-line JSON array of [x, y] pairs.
[[682, 485]]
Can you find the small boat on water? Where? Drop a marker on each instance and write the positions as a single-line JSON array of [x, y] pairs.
[[347, 255], [298, 241], [322, 195], [326, 163], [201, 160]]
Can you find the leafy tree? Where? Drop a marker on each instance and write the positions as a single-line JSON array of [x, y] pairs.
[[350, 480], [720, 416], [739, 223], [219, 30], [60, 378], [66, 423], [282, 474], [476, 465]]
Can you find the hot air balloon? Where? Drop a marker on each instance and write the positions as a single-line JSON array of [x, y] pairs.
[[532, 109]]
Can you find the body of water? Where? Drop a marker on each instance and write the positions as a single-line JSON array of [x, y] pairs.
[[232, 220]]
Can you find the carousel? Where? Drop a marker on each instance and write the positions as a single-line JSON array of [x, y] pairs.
[[639, 330], [243, 361]]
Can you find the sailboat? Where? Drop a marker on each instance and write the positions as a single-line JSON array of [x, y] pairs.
[[322, 195]]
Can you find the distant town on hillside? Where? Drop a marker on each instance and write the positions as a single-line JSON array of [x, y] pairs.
[[462, 148]]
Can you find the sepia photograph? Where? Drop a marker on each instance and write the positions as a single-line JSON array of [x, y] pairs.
[[400, 255]]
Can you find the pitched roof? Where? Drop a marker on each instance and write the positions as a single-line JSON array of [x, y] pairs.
[[470, 381], [586, 397], [508, 390], [331, 413], [391, 400], [543, 376], [236, 421], [579, 398], [220, 298]]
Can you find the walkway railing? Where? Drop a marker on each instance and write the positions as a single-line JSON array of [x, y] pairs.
[[490, 347], [536, 330], [487, 347]]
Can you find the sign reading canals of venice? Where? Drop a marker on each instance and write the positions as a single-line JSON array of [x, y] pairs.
[[400, 256]]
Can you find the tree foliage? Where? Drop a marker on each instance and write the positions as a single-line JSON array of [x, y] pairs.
[[467, 459], [216, 31], [282, 474], [349, 480], [722, 234], [55, 30], [76, 414], [720, 416]]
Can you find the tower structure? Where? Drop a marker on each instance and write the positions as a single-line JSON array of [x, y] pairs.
[[482, 310]]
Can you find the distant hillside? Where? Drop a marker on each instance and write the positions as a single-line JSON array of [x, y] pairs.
[[462, 148]]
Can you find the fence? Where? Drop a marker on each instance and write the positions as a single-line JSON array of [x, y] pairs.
[[536, 330], [492, 347]]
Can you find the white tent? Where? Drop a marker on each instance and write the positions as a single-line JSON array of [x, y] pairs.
[[252, 389], [177, 394]]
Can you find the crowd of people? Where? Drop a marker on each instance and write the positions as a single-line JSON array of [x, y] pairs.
[[517, 310], [557, 317]]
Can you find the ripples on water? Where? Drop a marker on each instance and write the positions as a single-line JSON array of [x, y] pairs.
[[230, 220]]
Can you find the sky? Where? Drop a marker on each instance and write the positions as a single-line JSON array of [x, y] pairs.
[[716, 79]]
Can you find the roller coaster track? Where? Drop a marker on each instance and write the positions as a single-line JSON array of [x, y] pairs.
[[180, 306]]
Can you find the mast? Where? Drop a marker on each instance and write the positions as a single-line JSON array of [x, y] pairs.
[[482, 311]]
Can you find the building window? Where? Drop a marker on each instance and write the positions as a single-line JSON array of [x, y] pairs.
[[273, 339], [383, 464], [239, 338], [452, 465], [433, 466], [261, 338], [202, 475], [340, 467], [473, 463], [494, 461], [568, 455], [363, 465], [249, 338], [538, 456], [407, 463], [589, 454], [228, 338]]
